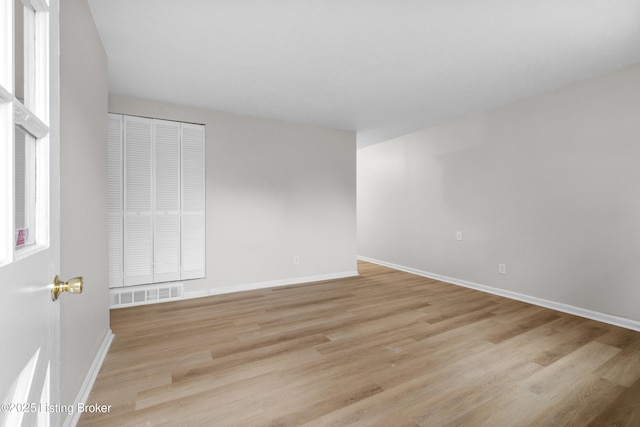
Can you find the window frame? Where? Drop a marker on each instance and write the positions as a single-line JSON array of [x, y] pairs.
[[32, 115]]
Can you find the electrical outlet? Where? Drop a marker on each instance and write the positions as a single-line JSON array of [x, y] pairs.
[[296, 260], [458, 235], [502, 268]]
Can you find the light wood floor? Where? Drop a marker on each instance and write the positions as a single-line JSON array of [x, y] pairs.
[[385, 349]]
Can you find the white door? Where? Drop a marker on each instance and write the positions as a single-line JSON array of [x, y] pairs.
[[29, 214]]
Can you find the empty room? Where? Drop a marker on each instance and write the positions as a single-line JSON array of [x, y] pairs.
[[322, 213]]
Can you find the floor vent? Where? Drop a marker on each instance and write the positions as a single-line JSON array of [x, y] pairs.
[[147, 294]]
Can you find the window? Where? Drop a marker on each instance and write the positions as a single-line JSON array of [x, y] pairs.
[[24, 133], [25, 178]]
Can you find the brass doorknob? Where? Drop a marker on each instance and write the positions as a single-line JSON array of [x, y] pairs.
[[73, 286]]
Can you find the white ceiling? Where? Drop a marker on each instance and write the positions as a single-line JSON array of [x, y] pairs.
[[383, 68]]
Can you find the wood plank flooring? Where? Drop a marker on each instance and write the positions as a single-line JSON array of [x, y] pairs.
[[384, 349]]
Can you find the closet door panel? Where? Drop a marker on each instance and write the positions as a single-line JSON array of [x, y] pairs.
[[138, 250], [193, 201], [138, 201], [167, 200], [167, 248], [114, 199], [193, 246]]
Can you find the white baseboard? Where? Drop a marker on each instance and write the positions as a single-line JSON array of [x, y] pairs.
[[196, 294], [270, 284], [89, 380], [565, 308]]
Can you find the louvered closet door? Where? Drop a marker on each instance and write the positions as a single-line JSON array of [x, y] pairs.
[[114, 198], [167, 201], [193, 201], [138, 218]]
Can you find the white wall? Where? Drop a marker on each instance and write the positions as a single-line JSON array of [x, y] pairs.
[[275, 190], [83, 181], [550, 186]]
